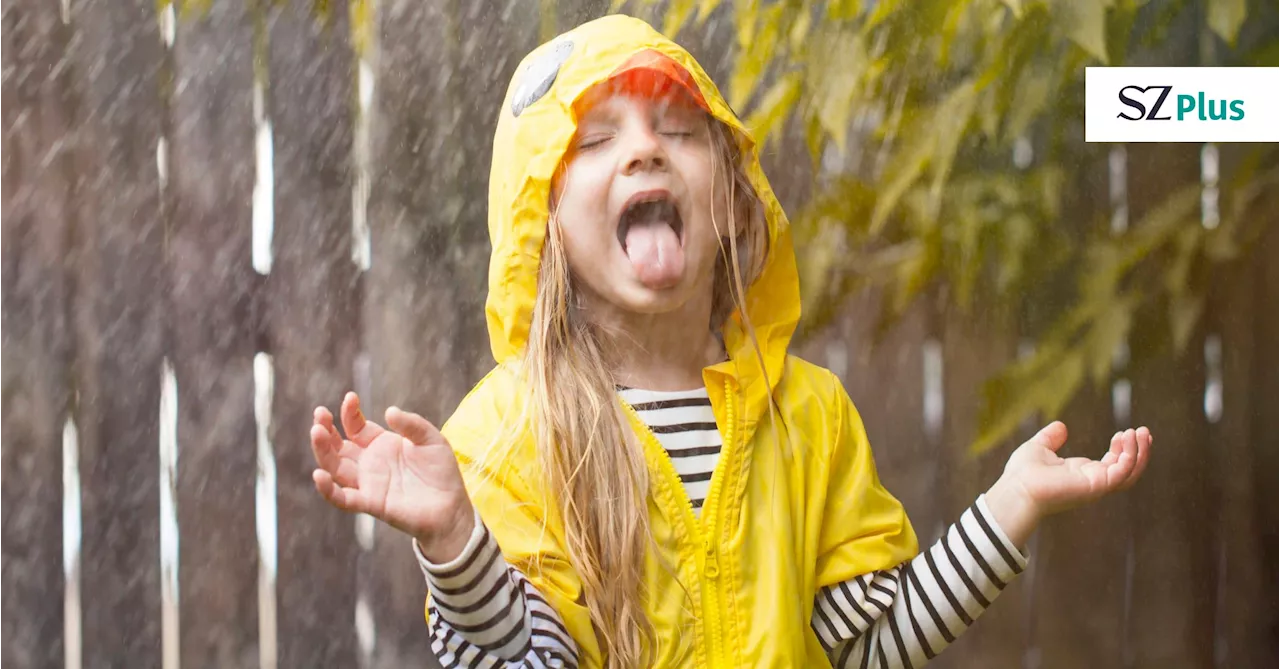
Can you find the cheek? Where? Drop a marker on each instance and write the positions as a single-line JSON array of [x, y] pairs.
[[580, 215]]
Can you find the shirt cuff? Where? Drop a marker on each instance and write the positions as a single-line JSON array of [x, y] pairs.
[[996, 534], [441, 572]]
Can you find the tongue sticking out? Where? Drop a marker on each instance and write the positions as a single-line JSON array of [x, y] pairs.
[[655, 253]]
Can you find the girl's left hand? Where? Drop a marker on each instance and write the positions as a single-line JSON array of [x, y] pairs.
[[1037, 482]]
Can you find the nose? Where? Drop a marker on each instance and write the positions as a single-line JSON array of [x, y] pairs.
[[643, 152]]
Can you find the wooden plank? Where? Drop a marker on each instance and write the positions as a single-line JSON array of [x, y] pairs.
[[36, 352], [1264, 437], [312, 316], [211, 333], [1244, 621], [976, 346], [118, 254], [1077, 578], [432, 128], [1079, 568], [1170, 621]]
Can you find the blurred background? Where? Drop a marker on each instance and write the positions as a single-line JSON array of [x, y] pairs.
[[218, 214]]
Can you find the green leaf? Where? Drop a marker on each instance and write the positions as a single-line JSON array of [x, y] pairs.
[[1109, 329], [1225, 18], [949, 123], [1044, 383], [1184, 313], [775, 107], [1085, 23], [1030, 98]]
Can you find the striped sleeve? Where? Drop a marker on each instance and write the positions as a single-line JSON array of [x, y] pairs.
[[905, 616], [484, 613]]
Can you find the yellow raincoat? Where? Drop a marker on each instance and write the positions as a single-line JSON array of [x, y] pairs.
[[778, 523]]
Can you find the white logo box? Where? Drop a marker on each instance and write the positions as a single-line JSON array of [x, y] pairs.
[[1246, 101]]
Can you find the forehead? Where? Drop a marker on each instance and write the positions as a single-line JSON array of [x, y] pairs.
[[631, 89]]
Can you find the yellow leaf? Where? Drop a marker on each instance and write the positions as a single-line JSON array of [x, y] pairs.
[[755, 57], [838, 79], [775, 107], [677, 14], [843, 10], [800, 30], [363, 26], [705, 7], [1225, 18], [745, 16]]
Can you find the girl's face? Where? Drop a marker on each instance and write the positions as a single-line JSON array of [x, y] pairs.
[[635, 201]]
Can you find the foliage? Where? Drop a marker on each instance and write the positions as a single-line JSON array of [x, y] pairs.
[[948, 142]]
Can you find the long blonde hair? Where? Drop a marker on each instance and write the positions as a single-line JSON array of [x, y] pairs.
[[591, 460]]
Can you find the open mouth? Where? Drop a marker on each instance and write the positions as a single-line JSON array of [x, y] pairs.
[[645, 210], [652, 235]]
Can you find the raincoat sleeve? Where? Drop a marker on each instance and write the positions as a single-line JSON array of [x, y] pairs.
[[905, 611], [864, 527], [499, 468]]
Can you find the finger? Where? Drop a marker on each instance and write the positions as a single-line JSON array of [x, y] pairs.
[[1052, 436], [358, 430], [344, 498], [324, 419], [1118, 476], [1144, 440], [328, 449], [1113, 453], [415, 428], [323, 444]]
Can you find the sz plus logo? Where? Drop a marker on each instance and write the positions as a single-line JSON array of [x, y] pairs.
[[1148, 103], [1181, 104]]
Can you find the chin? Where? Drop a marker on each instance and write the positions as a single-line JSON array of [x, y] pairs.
[[641, 299]]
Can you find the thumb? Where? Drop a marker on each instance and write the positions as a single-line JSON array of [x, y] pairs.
[[1052, 436], [413, 427]]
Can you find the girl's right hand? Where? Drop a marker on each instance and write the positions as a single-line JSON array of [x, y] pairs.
[[406, 476]]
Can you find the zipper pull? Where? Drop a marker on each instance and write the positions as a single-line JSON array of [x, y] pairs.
[[711, 568]]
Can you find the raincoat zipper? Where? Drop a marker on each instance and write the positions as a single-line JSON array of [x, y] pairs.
[[668, 468], [705, 536], [712, 592]]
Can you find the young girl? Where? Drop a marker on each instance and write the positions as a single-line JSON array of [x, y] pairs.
[[647, 478]]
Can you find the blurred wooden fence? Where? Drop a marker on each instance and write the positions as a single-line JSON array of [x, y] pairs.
[[214, 222]]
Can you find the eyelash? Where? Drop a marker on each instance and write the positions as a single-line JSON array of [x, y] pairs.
[[597, 141]]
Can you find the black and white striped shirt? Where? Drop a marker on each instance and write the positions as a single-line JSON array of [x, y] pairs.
[[685, 425], [485, 613]]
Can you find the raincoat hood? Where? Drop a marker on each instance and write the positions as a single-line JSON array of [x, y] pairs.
[[535, 127]]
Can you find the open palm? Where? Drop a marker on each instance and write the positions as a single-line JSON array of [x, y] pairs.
[[406, 476], [1054, 483]]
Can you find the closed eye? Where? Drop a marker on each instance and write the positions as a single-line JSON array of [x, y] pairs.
[[591, 141]]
